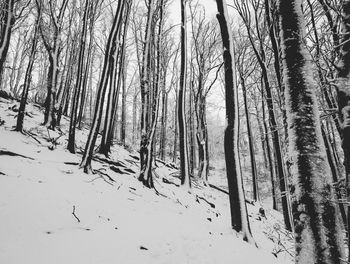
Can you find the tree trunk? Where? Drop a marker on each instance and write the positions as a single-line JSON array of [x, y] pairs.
[[318, 236], [344, 100], [164, 122], [184, 164], [7, 22], [28, 76], [239, 214], [150, 99], [78, 83], [335, 176], [96, 122], [251, 144], [50, 112]]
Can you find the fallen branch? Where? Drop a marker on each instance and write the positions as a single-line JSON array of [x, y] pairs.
[[169, 182], [104, 174], [32, 136], [205, 200], [13, 154], [218, 189], [73, 213]]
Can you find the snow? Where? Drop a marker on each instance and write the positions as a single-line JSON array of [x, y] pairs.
[[120, 220]]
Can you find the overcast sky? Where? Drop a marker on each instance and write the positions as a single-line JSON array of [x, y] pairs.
[[175, 14]]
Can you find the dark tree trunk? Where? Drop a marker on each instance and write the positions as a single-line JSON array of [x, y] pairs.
[[78, 83], [123, 114], [87, 72], [53, 48], [176, 132], [335, 176], [318, 236], [7, 22], [28, 77], [164, 122], [344, 100], [261, 57], [96, 122], [149, 98], [251, 143], [202, 138], [50, 117], [239, 215], [184, 163]]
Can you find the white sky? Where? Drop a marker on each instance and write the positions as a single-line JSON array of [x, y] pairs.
[[175, 14]]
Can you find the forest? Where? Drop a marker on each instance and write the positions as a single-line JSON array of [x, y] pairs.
[[229, 110]]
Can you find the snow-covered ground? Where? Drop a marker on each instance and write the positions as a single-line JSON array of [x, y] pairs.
[[51, 212]]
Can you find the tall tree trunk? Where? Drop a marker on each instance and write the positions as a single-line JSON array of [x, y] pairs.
[[270, 155], [344, 99], [50, 112], [164, 122], [149, 120], [239, 214], [318, 236], [261, 57], [335, 176], [87, 72], [96, 122], [78, 83], [176, 132], [8, 19], [251, 143], [184, 163], [202, 137], [134, 117], [28, 76], [53, 50], [123, 117]]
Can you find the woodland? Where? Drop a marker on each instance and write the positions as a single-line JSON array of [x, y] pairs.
[[255, 91]]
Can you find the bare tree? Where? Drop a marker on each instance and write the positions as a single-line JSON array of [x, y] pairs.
[[28, 75], [79, 79], [111, 45], [239, 215], [51, 36], [184, 163], [318, 236], [7, 22]]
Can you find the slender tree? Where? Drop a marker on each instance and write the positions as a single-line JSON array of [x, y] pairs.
[[149, 97], [184, 163], [28, 76], [111, 45], [78, 82], [239, 214], [53, 45], [260, 53], [344, 98], [7, 21]]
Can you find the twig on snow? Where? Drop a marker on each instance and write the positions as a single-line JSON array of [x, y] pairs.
[[73, 213]]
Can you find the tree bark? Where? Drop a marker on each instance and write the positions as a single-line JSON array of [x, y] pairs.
[[96, 122], [28, 76], [7, 22], [239, 214], [78, 83], [251, 143], [343, 90], [184, 163], [318, 236]]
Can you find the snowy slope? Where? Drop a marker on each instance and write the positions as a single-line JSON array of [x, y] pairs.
[[51, 212]]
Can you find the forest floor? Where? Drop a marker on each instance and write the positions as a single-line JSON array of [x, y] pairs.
[[52, 212]]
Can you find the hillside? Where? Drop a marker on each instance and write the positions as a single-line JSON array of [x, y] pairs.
[[52, 212]]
